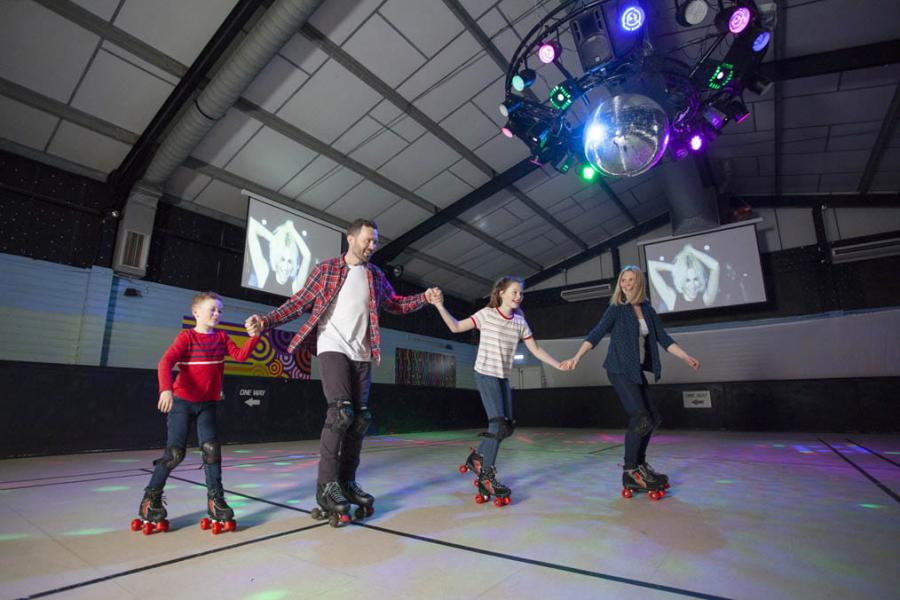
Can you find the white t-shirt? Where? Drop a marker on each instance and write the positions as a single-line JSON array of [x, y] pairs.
[[499, 335], [344, 327], [643, 332]]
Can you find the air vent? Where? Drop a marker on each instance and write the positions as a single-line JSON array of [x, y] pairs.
[[132, 249], [866, 250], [589, 292]]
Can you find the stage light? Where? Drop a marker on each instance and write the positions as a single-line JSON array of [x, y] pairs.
[[512, 103], [691, 13], [761, 41], [679, 149], [696, 142], [721, 76], [549, 51], [587, 172], [736, 110], [566, 163], [759, 84], [560, 97], [632, 18], [523, 79], [506, 131], [714, 117], [734, 20]]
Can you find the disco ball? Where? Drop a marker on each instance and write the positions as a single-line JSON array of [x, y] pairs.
[[626, 135]]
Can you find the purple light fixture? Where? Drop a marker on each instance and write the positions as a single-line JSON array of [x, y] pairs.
[[506, 131], [549, 51], [632, 18], [696, 142], [739, 19], [761, 41]]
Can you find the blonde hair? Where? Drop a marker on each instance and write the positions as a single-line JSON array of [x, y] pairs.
[[638, 294], [500, 286], [684, 262], [204, 296]]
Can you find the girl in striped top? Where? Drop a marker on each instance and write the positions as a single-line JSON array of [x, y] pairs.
[[501, 325]]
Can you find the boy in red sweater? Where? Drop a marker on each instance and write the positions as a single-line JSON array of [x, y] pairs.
[[200, 355]]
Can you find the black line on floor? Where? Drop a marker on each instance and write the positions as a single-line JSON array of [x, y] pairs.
[[605, 449], [38, 485], [171, 562], [870, 451], [883, 487], [110, 472], [233, 493], [548, 565]]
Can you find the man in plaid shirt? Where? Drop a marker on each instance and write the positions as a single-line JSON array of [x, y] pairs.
[[342, 296]]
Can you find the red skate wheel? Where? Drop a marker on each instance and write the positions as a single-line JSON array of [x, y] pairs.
[[205, 523], [506, 501], [230, 525], [479, 499], [667, 486], [345, 518], [135, 524], [162, 526], [463, 469], [475, 482], [499, 502], [217, 528], [626, 493], [654, 495], [147, 529]]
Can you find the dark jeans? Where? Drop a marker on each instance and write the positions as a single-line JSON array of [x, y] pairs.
[[178, 423], [496, 396], [343, 380], [635, 401]]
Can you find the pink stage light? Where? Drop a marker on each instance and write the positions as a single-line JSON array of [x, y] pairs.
[[739, 20]]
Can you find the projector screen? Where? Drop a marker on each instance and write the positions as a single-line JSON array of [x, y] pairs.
[[711, 269], [282, 247]]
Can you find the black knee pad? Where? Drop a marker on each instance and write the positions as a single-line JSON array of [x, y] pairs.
[[507, 427], [361, 422], [341, 415], [212, 452], [171, 458], [642, 423]]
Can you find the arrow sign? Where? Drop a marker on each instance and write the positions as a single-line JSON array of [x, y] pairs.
[[252, 402]]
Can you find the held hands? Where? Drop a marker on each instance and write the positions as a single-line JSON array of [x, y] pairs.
[[434, 296], [165, 401], [569, 364], [253, 325]]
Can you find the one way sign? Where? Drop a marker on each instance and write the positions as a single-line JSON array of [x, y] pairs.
[[697, 399], [252, 402]]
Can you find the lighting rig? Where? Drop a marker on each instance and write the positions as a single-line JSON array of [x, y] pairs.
[[632, 103]]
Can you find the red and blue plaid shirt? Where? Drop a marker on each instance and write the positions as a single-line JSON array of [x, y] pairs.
[[322, 286]]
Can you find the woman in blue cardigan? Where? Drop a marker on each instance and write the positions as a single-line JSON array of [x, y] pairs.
[[634, 329]]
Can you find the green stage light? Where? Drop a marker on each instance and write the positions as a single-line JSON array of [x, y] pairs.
[[587, 172]]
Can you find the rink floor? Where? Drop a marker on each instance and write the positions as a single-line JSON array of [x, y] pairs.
[[750, 515]]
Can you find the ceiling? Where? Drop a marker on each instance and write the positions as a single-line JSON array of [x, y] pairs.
[[387, 109]]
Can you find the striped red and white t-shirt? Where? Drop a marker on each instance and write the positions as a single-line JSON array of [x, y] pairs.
[[499, 336], [200, 358]]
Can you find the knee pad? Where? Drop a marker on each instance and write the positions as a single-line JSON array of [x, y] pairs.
[[507, 427], [362, 421], [641, 423], [212, 452], [171, 458], [341, 415]]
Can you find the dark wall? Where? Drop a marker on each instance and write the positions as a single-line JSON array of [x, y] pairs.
[[56, 409], [834, 405]]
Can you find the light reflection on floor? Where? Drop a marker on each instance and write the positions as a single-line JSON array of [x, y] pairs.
[[749, 515]]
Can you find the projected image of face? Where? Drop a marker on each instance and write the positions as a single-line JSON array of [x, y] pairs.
[[691, 279], [284, 254], [363, 244]]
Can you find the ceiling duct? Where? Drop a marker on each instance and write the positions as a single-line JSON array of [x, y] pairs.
[[866, 250], [588, 292]]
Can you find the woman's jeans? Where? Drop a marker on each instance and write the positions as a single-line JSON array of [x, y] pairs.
[[643, 417], [496, 396]]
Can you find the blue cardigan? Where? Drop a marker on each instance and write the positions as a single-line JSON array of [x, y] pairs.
[[624, 354]]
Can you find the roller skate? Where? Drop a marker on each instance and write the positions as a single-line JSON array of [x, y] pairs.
[[221, 517], [473, 463], [152, 514], [637, 480], [333, 505], [662, 477], [488, 485], [365, 502]]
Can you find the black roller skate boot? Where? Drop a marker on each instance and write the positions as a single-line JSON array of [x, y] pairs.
[[661, 477], [365, 502], [637, 480], [333, 505], [488, 485], [473, 464], [221, 517], [152, 513]]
